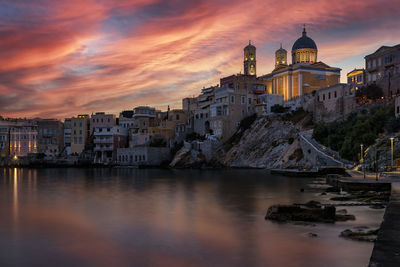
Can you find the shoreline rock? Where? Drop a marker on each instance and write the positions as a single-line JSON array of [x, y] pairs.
[[311, 212]]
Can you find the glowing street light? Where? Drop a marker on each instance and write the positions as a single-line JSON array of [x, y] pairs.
[[391, 145]]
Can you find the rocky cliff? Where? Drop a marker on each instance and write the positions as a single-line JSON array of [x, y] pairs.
[[270, 142]]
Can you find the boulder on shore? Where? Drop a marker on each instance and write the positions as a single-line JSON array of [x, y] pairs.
[[284, 213]]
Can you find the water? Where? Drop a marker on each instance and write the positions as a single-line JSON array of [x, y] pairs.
[[128, 217]]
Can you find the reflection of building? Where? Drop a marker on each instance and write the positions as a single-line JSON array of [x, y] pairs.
[[79, 133], [356, 79], [383, 68], [304, 75], [50, 138]]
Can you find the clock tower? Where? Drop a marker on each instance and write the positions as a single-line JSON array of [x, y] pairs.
[[249, 59]]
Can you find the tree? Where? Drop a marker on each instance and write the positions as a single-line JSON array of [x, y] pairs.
[[371, 91], [278, 109]]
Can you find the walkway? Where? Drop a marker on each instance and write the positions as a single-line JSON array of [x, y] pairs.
[[387, 247]]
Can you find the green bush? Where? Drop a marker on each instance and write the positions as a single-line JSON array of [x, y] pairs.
[[347, 136]]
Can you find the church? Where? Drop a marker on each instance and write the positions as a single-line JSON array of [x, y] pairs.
[[305, 75]]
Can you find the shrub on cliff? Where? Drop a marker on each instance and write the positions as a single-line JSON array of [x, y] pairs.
[[244, 124]]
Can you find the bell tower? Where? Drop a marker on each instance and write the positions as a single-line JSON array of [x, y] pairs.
[[280, 57], [249, 60]]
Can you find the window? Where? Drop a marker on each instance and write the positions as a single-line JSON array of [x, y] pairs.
[[243, 100], [329, 95], [335, 94], [398, 109], [323, 97], [233, 99], [249, 101], [177, 116], [80, 140]]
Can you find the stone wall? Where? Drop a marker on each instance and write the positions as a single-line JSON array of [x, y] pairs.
[[143, 155]]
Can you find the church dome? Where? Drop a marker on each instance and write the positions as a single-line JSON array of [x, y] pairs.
[[304, 42]]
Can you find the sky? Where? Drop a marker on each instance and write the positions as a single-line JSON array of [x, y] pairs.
[[63, 58]]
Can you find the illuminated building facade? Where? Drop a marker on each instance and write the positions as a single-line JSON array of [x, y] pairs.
[[304, 75], [23, 138], [356, 79], [250, 67], [280, 57]]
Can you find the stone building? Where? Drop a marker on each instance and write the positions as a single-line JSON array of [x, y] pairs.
[[101, 119], [266, 101], [80, 130], [143, 118], [106, 141], [330, 103], [383, 68], [304, 75], [50, 137]]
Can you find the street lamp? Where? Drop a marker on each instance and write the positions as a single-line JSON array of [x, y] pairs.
[[391, 145], [362, 159]]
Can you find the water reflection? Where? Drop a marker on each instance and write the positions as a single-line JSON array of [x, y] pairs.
[[108, 217]]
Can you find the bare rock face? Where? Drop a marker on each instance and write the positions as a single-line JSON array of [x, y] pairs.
[[187, 158], [269, 143]]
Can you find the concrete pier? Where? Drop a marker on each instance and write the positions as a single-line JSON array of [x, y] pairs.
[[386, 251]]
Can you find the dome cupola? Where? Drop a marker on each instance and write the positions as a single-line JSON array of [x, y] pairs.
[[304, 50]]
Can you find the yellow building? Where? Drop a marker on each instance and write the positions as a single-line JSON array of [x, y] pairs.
[[79, 133], [304, 75]]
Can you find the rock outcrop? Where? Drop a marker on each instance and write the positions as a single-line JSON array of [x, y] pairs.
[[269, 143], [188, 158]]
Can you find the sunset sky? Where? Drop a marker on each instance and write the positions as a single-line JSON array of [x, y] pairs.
[[63, 58]]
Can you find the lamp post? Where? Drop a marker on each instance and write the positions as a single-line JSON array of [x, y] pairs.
[[391, 145], [362, 159]]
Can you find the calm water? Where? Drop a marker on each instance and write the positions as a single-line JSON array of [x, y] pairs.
[[102, 217]]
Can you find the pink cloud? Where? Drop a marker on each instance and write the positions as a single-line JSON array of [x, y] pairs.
[[87, 56]]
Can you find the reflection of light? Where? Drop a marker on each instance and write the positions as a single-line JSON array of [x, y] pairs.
[[15, 200], [15, 158]]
